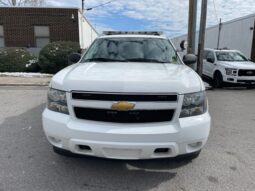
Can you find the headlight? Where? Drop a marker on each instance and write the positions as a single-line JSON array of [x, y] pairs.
[[194, 104], [231, 71], [57, 101]]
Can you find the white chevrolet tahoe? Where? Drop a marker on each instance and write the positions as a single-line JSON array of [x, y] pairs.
[[129, 97], [228, 67]]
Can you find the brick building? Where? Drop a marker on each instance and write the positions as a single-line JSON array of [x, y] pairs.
[[36, 27]]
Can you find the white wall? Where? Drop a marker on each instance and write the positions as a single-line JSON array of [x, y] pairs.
[[87, 34], [235, 34]]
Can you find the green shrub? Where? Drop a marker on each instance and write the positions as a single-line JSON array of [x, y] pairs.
[[15, 60], [54, 56]]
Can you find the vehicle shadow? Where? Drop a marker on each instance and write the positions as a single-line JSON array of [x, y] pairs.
[[28, 163]]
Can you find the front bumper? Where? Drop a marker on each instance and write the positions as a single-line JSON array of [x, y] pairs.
[[244, 80], [126, 141]]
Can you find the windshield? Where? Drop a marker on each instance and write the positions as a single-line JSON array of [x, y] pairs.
[[230, 56], [131, 50]]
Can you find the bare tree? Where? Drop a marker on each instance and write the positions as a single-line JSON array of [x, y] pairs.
[[22, 3]]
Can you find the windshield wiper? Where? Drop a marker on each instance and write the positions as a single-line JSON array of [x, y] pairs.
[[103, 60], [145, 60]]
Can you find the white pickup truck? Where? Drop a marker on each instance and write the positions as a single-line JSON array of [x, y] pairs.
[[228, 67], [129, 97]]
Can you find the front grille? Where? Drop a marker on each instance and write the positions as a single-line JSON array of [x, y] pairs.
[[132, 116], [246, 73], [124, 97]]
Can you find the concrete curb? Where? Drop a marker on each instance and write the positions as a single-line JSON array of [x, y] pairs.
[[3, 85], [209, 88]]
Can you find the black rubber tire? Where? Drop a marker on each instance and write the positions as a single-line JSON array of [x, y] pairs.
[[63, 152], [190, 156], [218, 80]]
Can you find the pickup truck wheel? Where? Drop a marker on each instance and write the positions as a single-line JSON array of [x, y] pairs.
[[218, 80], [63, 152]]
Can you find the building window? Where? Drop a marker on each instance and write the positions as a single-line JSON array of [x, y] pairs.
[[42, 36], [1, 36]]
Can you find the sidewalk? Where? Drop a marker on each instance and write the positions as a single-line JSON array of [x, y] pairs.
[[24, 81], [33, 79]]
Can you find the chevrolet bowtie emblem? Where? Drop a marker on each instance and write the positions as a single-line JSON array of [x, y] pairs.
[[123, 106]]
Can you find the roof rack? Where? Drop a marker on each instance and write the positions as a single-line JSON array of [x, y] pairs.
[[155, 33]]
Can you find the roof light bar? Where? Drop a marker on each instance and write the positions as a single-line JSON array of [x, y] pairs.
[[156, 33], [225, 48]]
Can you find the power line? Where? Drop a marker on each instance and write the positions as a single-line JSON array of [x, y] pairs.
[[100, 5]]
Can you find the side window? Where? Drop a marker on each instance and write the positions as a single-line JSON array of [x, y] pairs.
[[205, 54], [42, 36], [210, 56]]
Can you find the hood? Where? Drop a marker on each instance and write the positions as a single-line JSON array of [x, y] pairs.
[[238, 65], [128, 77]]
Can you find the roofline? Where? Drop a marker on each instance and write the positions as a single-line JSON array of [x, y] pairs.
[[52, 7], [70, 8], [223, 23], [233, 20]]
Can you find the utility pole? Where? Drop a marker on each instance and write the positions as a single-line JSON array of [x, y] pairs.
[[219, 33], [14, 3], [82, 21], [83, 6], [202, 37], [192, 27]]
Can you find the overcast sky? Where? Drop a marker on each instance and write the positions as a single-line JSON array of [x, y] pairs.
[[170, 16]]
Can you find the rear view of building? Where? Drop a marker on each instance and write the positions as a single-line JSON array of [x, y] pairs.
[[237, 34], [36, 27]]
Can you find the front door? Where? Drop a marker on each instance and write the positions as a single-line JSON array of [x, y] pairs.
[[209, 66]]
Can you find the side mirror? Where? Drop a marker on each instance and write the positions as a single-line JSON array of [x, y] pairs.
[[189, 59], [210, 60], [184, 45], [74, 58]]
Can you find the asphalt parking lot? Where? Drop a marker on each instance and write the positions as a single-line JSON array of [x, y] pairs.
[[27, 162]]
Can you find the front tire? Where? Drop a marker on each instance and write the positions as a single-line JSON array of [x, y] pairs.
[[218, 80]]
